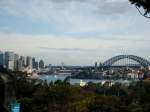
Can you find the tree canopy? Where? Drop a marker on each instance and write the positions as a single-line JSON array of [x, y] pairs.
[[145, 4]]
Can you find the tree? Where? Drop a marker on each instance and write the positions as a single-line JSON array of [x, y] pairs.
[[145, 4], [105, 104]]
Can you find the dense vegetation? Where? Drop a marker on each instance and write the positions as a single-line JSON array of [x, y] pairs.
[[60, 96]]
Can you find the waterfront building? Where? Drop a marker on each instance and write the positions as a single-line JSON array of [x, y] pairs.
[[50, 67], [9, 60], [132, 75], [29, 62], [41, 64]]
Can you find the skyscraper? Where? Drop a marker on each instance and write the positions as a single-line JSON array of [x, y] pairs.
[[33, 63], [20, 65], [29, 62], [95, 66], [37, 65], [2, 59], [23, 60], [9, 60], [41, 64], [16, 59]]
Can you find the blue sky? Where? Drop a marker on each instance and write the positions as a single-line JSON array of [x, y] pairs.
[[76, 32]]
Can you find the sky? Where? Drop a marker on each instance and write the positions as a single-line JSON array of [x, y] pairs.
[[75, 32]]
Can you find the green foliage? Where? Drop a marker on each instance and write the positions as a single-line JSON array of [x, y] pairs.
[[105, 104], [60, 96], [25, 104], [25, 87]]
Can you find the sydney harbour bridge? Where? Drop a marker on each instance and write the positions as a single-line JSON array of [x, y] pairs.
[[126, 60]]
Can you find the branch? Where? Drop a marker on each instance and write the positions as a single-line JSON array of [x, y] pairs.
[[142, 13]]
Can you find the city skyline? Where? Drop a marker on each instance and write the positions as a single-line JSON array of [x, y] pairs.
[[76, 32], [16, 62]]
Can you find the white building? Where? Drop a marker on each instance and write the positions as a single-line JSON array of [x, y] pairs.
[[11, 65], [20, 65], [9, 60], [133, 75]]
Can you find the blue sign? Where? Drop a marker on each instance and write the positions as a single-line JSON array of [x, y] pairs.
[[15, 107]]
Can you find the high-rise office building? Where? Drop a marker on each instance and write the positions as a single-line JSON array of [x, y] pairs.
[[29, 62], [23, 60], [16, 59], [2, 61], [20, 65], [33, 63], [37, 65], [9, 60], [41, 64], [96, 67]]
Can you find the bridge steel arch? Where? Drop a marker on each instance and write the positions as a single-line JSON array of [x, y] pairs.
[[140, 60]]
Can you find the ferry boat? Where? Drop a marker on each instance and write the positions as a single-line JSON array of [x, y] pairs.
[[64, 72]]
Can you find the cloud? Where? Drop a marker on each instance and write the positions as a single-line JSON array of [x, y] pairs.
[[66, 49], [103, 6], [86, 30], [45, 8], [56, 48], [73, 16]]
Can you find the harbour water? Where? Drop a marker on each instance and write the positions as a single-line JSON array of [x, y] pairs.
[[54, 78]]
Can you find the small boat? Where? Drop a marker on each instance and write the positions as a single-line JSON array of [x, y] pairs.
[[82, 83], [55, 76]]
